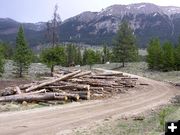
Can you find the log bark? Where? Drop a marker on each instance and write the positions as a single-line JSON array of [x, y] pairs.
[[52, 81], [68, 85], [82, 74], [177, 84], [8, 91], [74, 97], [94, 83], [36, 92], [25, 86], [83, 94], [111, 74], [96, 88], [143, 84], [102, 77], [35, 97], [17, 89], [129, 78]]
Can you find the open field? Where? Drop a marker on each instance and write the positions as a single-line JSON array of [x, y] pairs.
[[141, 69], [137, 68]]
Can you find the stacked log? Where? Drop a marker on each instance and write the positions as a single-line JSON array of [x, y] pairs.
[[70, 86]]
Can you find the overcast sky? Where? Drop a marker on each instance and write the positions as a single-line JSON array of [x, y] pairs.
[[41, 10]]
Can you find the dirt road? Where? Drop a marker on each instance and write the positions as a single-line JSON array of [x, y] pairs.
[[58, 120]]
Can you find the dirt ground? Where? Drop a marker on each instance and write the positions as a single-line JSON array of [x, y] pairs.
[[8, 83], [62, 120]]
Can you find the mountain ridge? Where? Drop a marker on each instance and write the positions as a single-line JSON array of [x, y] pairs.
[[146, 19]]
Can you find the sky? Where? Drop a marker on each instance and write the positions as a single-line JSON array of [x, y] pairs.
[[42, 10]]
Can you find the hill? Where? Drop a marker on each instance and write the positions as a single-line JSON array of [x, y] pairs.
[[147, 20]]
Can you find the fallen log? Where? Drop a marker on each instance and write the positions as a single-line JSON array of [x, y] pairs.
[[35, 97], [74, 97], [129, 78], [17, 89], [96, 88], [68, 85], [25, 86], [111, 74], [177, 84], [102, 77], [8, 91], [143, 84], [94, 83], [83, 94], [82, 74], [36, 92], [64, 77]]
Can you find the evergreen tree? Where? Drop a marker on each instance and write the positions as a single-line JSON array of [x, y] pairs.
[[125, 49], [85, 55], [7, 50], [106, 54], [91, 57], [155, 55], [177, 57], [53, 56], [23, 55], [71, 55], [98, 57], [1, 61], [79, 56], [168, 56]]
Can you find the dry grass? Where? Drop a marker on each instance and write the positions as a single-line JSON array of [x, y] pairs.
[[149, 126]]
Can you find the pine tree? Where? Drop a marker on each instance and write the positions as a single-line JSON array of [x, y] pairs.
[[85, 55], [23, 55], [98, 57], [177, 57], [168, 56], [106, 54], [71, 55], [7, 50], [1, 61], [154, 57], [125, 49], [91, 57], [79, 56], [53, 56]]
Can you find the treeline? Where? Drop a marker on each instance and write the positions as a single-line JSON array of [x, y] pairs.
[[164, 57], [124, 50], [64, 55], [71, 55]]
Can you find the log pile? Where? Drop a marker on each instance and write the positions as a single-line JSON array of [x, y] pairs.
[[70, 86]]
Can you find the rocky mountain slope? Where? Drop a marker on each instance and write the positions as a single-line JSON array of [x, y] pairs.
[[147, 21]]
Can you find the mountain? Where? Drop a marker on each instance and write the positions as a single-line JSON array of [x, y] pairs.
[[147, 20], [34, 32]]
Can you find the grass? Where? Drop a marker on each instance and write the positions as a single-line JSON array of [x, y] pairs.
[[6, 107], [141, 69], [138, 68], [149, 126]]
